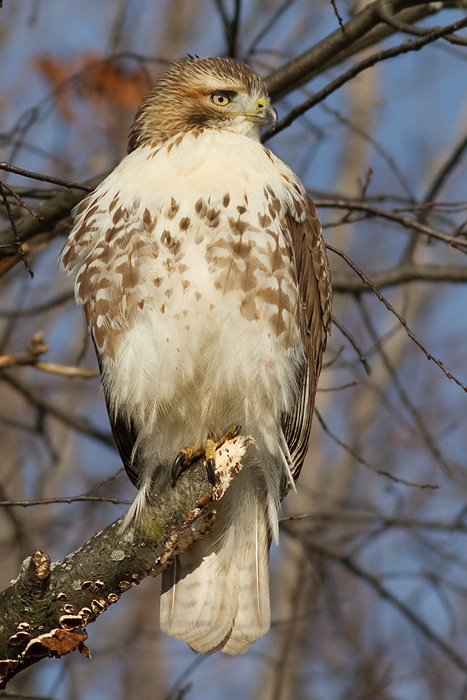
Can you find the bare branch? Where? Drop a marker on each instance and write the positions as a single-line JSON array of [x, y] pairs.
[[405, 47], [231, 25], [353, 343], [315, 549], [40, 308], [362, 31], [363, 462], [369, 283], [336, 12], [269, 25], [446, 169], [405, 221], [45, 178], [51, 211], [14, 230], [64, 499], [50, 407], [64, 371], [384, 11], [385, 155], [19, 200], [404, 397], [403, 274], [30, 357], [377, 520], [63, 598]]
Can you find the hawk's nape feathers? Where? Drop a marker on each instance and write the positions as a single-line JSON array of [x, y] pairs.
[[202, 271]]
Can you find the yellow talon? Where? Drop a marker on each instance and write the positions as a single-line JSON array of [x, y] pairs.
[[211, 447], [188, 456]]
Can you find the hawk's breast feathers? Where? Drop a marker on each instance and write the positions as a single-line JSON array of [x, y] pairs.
[[203, 274], [207, 231]]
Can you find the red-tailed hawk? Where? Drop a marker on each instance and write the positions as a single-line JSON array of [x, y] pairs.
[[202, 271]]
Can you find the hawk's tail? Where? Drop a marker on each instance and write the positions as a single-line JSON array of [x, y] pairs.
[[216, 595]]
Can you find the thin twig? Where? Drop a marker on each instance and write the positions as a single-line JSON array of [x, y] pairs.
[[44, 178], [385, 593], [14, 230], [269, 25], [401, 320], [446, 169], [65, 499], [40, 308], [353, 343], [21, 202], [400, 390], [401, 274], [81, 425], [104, 482], [341, 387], [384, 11], [336, 12], [405, 221], [405, 47], [366, 464], [64, 371], [53, 212], [362, 31], [377, 520], [30, 357], [30, 116], [234, 29], [387, 157]]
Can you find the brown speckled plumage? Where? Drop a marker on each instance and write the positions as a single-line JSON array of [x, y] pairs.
[[202, 271]]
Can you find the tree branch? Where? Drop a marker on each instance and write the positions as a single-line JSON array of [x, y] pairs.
[[371, 285], [365, 29], [45, 178], [408, 222], [401, 274], [45, 611], [31, 355], [51, 213], [314, 549], [362, 31], [81, 425], [371, 467], [405, 47]]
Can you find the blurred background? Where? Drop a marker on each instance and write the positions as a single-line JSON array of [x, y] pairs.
[[369, 593]]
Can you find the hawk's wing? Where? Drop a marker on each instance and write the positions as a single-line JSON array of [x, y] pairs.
[[108, 245], [315, 297], [124, 434]]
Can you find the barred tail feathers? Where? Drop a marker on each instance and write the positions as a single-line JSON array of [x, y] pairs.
[[216, 595]]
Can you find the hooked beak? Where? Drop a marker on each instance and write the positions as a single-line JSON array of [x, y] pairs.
[[265, 112]]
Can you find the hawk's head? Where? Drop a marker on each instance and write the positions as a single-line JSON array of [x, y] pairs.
[[203, 92]]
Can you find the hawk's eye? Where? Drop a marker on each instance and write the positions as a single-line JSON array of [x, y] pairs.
[[220, 99]]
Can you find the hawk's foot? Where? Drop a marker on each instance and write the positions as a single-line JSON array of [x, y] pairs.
[[189, 456], [182, 461], [212, 446]]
